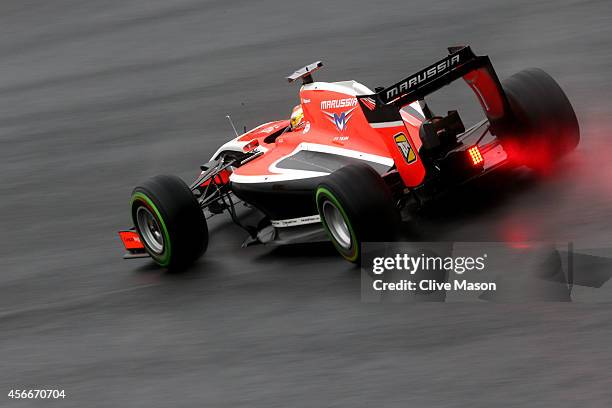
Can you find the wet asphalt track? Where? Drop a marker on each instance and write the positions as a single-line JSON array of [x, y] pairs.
[[97, 96]]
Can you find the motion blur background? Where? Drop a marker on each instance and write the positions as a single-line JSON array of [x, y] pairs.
[[96, 96]]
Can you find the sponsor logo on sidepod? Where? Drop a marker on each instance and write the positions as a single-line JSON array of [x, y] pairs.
[[405, 148]]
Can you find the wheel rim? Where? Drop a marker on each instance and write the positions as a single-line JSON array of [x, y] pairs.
[[150, 230], [337, 225]]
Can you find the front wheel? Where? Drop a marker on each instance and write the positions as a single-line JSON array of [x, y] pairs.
[[169, 221], [356, 206]]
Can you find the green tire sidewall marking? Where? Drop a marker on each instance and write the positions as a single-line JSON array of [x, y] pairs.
[[323, 191], [162, 259]]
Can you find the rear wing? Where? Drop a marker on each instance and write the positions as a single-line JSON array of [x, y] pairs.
[[382, 109], [477, 71]]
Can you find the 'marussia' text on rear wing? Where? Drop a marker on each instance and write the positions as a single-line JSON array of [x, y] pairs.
[[476, 70]]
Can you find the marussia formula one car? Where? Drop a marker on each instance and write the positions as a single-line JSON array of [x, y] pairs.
[[360, 161]]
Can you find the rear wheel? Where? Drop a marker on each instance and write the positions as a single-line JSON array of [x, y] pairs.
[[356, 206], [169, 221], [546, 127]]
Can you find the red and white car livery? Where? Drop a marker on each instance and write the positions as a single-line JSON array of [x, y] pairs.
[[359, 161]]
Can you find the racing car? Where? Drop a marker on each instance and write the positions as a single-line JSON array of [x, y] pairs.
[[356, 162]]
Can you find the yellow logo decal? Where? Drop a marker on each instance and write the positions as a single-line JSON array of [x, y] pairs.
[[405, 148]]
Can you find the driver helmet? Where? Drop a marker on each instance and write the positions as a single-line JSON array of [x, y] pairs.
[[297, 118]]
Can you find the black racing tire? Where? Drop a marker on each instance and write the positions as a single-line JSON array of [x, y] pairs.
[[545, 127], [170, 222], [356, 206]]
